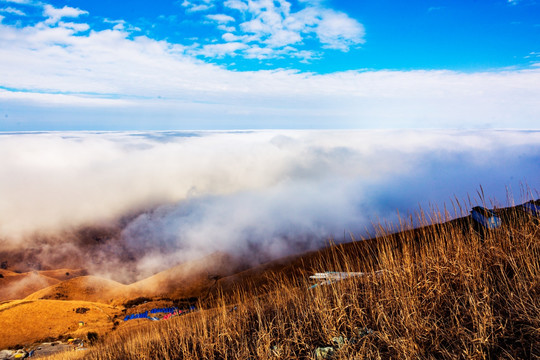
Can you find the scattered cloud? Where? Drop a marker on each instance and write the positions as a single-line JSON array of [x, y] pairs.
[[268, 26]]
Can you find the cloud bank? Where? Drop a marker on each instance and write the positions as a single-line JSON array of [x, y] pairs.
[[262, 194]]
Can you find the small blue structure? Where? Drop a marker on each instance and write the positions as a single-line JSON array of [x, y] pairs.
[[485, 217], [532, 207]]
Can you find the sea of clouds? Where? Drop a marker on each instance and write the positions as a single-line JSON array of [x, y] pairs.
[[258, 194]]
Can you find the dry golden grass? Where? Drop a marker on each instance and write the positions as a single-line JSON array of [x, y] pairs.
[[27, 321], [446, 292], [68, 355]]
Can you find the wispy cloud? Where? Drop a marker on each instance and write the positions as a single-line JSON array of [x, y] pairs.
[[220, 50], [61, 99], [221, 18], [195, 6], [10, 10], [21, 2]]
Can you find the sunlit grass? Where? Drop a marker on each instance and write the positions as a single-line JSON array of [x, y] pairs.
[[446, 292]]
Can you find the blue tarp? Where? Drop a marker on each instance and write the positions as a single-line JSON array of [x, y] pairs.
[[144, 315], [163, 310], [485, 217], [532, 208]]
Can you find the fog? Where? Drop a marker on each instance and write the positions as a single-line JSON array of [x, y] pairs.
[[169, 197]]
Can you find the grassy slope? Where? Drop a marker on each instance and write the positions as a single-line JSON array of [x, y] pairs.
[[25, 321], [86, 288], [446, 292]]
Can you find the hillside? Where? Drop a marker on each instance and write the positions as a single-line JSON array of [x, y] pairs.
[[444, 262], [27, 321], [19, 285], [193, 278], [85, 288], [442, 291]]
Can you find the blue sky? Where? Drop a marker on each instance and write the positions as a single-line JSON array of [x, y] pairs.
[[458, 35], [224, 64]]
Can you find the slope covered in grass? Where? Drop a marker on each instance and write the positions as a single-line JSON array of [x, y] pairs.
[[445, 291], [26, 321]]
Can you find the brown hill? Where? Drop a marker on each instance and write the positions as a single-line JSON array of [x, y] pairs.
[[63, 274], [19, 285], [192, 278], [25, 321], [86, 288]]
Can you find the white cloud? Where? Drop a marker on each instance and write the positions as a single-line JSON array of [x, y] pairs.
[[55, 14], [338, 31], [221, 18], [10, 10]]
